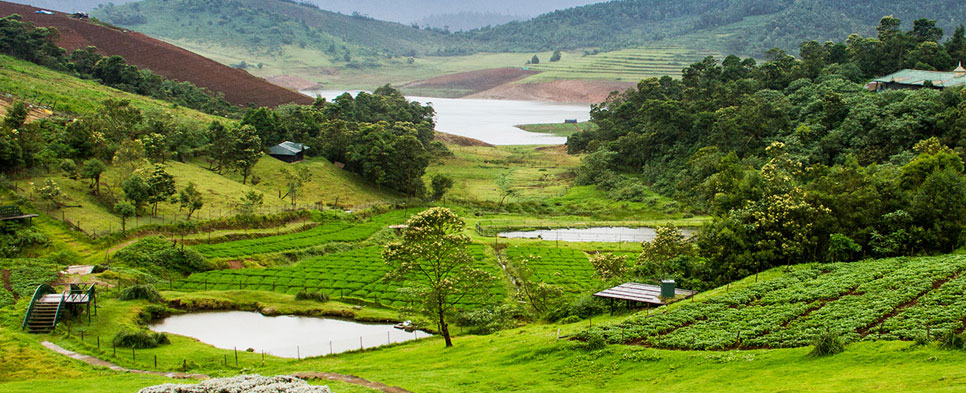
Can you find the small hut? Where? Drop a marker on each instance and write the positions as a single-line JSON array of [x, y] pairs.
[[288, 151], [633, 293]]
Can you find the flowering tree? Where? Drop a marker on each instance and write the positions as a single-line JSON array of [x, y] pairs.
[[432, 262]]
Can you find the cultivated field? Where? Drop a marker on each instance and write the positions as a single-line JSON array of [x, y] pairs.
[[889, 299]]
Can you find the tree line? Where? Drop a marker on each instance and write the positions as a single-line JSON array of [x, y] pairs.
[[794, 158], [37, 45]]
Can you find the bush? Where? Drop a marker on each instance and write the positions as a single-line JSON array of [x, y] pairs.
[[158, 254], [951, 340], [582, 307], [146, 292], [314, 296], [595, 341], [140, 339], [826, 344]]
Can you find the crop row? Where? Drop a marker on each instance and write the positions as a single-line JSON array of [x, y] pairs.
[[353, 274], [560, 266], [898, 297]]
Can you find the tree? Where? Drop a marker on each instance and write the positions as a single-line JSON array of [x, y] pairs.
[[250, 203], [92, 169], [540, 296], [555, 57], [136, 190], [220, 147], [131, 154], [534, 60], [294, 181], [124, 209], [160, 187], [16, 116], [432, 261], [247, 151], [440, 184], [190, 198], [49, 192], [609, 266]]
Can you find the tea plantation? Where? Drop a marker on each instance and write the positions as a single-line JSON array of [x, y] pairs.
[[356, 274], [902, 298], [565, 267]]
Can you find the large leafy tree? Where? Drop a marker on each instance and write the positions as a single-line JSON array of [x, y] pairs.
[[247, 150], [432, 262]]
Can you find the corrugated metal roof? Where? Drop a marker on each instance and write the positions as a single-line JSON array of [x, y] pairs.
[[919, 78], [287, 149], [643, 293]]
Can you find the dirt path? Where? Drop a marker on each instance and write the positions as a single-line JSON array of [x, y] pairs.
[[6, 285], [351, 379], [103, 363]]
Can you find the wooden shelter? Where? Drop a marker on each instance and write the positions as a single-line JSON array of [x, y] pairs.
[[636, 293], [13, 213]]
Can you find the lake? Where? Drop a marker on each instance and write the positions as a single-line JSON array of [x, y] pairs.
[[283, 336], [493, 121], [596, 234]]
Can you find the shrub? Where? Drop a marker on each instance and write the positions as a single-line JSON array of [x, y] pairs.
[[951, 340], [582, 307], [140, 339], [826, 344], [158, 254], [146, 292], [595, 341], [314, 296]]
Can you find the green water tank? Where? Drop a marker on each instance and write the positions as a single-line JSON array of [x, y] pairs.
[[667, 289]]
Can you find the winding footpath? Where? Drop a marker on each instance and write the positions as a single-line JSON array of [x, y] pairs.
[[352, 379]]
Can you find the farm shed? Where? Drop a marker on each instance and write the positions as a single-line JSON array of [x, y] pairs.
[[633, 292], [288, 151], [918, 79]]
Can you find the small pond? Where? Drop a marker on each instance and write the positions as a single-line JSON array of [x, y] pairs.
[[283, 336], [596, 234]]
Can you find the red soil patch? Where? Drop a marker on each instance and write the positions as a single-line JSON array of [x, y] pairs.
[[238, 86], [475, 81], [459, 140], [564, 91], [294, 82]]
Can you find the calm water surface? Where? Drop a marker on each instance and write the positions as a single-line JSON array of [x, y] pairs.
[[493, 121], [597, 234], [284, 336]]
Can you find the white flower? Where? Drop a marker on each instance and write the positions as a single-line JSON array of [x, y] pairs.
[[242, 384]]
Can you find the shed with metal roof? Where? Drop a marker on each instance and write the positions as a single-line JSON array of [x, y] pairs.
[[288, 151]]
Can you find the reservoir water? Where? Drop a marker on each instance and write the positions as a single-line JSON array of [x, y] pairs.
[[493, 121], [283, 336], [596, 234]]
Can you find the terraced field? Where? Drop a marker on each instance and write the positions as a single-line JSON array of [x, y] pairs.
[[901, 298], [337, 231], [568, 268], [355, 274], [627, 65]]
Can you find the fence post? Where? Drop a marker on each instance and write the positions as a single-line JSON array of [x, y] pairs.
[[298, 352], [236, 356], [360, 343]]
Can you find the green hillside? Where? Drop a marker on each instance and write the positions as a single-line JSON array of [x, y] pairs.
[[745, 27], [268, 26]]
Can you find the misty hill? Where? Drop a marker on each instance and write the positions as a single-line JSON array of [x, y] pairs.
[[69, 5], [747, 27], [415, 11], [267, 26], [466, 20]]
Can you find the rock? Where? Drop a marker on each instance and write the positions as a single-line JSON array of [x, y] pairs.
[[269, 311]]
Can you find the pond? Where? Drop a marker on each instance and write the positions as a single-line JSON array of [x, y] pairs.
[[283, 336], [595, 234], [494, 121]]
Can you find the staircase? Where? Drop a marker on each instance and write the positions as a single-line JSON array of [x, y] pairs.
[[42, 318], [47, 306]]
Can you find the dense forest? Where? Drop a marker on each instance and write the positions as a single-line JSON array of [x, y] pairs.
[[794, 158], [744, 27]]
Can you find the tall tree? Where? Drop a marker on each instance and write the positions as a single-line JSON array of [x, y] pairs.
[[247, 151], [432, 261], [92, 169], [160, 187], [190, 198]]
